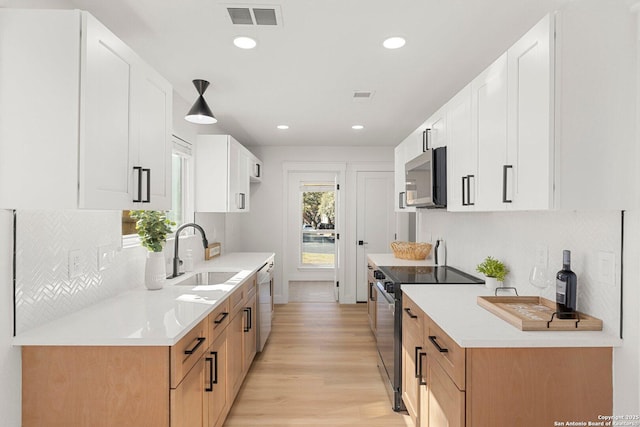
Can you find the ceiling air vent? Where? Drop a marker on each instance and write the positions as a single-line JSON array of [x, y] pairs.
[[362, 95], [255, 15]]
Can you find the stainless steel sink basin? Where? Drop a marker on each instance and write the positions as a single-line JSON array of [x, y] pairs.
[[208, 278]]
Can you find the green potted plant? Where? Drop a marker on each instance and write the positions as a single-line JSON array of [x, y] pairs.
[[153, 227], [493, 270]]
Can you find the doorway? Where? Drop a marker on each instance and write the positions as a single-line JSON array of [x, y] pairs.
[[375, 221], [312, 227]]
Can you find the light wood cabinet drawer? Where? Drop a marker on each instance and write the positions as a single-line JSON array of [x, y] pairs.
[[412, 316], [218, 320], [237, 298], [446, 404], [450, 355], [251, 286], [187, 352]]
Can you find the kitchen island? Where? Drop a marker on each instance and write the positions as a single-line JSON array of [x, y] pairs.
[[170, 357]]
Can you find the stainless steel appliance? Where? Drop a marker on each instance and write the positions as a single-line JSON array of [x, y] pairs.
[[265, 302], [389, 314], [426, 179]]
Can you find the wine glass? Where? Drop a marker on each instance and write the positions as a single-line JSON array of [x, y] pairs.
[[540, 278]]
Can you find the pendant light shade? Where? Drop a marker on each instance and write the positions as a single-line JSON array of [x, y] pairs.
[[200, 113]]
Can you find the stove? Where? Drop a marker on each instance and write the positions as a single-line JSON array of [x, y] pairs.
[[424, 275], [389, 314]]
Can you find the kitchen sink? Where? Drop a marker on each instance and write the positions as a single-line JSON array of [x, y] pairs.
[[208, 278]]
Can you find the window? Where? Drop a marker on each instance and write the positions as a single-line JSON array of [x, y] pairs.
[[182, 210], [318, 209]]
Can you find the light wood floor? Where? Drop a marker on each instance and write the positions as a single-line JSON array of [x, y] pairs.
[[309, 291], [318, 369]]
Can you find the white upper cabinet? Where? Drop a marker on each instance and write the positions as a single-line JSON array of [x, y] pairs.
[[255, 168], [529, 162], [436, 130], [462, 173], [223, 172], [489, 133], [89, 122]]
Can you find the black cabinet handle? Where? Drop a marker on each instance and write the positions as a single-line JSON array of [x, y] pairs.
[[469, 202], [370, 291], [221, 318], [210, 387], [248, 326], [411, 315], [258, 171], [215, 368], [250, 318], [505, 168], [148, 199], [241, 203], [432, 338], [420, 371], [139, 170], [195, 347], [464, 191], [416, 357], [426, 139]]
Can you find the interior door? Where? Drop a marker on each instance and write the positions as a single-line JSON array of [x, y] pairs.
[[375, 221]]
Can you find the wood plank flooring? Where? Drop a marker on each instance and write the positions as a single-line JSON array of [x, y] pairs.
[[318, 369]]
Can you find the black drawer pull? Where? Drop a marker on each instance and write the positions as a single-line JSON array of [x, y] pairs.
[[195, 347], [416, 362], [411, 315], [209, 388], [215, 368], [423, 381], [221, 319], [432, 338]]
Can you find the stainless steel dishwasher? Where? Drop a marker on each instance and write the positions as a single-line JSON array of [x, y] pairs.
[[265, 302]]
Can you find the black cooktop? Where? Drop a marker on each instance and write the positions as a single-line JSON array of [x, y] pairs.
[[428, 275]]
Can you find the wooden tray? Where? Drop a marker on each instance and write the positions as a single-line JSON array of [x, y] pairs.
[[535, 313]]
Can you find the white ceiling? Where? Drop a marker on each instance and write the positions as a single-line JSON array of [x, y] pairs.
[[304, 72]]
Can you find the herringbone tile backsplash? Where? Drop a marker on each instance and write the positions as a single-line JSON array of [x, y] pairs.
[[44, 290]]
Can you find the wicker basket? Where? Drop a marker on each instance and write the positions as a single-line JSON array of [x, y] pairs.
[[411, 250]]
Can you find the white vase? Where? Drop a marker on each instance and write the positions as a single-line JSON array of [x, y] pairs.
[[155, 271], [491, 283]]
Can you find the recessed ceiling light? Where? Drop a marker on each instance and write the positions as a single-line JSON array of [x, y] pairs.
[[357, 127], [283, 127], [244, 42], [394, 42]]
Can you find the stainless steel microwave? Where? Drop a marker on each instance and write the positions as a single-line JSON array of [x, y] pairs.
[[426, 179]]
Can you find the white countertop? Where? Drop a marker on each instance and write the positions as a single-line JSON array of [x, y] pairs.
[[455, 309], [390, 260], [147, 318]]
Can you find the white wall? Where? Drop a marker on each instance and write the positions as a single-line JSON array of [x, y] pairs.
[[513, 237], [261, 229], [10, 366]]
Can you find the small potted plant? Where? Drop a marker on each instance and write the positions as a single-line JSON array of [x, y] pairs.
[[153, 227], [493, 270]]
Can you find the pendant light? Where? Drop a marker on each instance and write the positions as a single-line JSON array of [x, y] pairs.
[[200, 113]]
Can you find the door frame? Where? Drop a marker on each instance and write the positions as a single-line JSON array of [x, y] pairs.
[[339, 169]]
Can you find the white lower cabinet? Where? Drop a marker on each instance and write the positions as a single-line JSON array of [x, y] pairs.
[[102, 139]]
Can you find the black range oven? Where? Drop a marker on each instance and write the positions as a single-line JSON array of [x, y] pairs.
[[389, 314]]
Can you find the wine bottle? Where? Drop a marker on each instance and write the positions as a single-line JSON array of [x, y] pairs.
[[566, 287]]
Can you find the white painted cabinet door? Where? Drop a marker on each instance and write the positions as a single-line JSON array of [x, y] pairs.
[[530, 122], [489, 127], [462, 160], [152, 103], [437, 125], [238, 194], [414, 144], [105, 119]]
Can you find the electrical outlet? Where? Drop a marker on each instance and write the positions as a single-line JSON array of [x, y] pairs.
[[542, 255], [106, 255], [75, 263], [606, 268]]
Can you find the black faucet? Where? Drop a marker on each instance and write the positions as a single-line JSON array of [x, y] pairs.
[[176, 259]]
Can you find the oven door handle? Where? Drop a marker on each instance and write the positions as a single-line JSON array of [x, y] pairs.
[[384, 293]]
